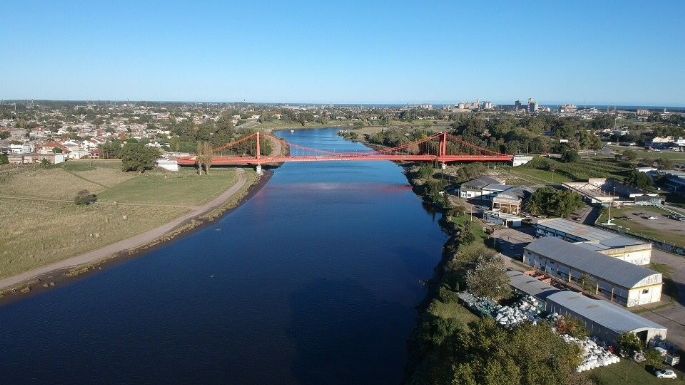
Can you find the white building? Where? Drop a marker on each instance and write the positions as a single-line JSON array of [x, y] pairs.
[[617, 280], [615, 245]]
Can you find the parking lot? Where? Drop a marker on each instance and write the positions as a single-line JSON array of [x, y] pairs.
[[649, 222]]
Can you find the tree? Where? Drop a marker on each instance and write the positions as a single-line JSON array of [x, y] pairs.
[[138, 157], [3, 159], [654, 359], [570, 156], [630, 155], [205, 152], [56, 150], [488, 278], [629, 343], [4, 134], [571, 326], [550, 201], [638, 179], [85, 198], [665, 163], [110, 149], [528, 355]]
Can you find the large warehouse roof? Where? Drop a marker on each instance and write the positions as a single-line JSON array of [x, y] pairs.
[[603, 313], [599, 265], [590, 233]]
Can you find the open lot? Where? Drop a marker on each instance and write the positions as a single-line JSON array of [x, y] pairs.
[[672, 315], [635, 220], [41, 224], [628, 372]]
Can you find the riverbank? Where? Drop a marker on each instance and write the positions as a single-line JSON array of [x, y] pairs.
[[54, 274]]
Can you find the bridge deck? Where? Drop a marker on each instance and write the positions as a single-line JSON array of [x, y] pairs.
[[239, 160]]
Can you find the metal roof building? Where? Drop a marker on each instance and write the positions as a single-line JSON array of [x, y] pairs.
[[530, 285], [603, 319], [618, 280], [616, 245]]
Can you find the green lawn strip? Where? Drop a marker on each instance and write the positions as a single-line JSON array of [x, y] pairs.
[[543, 176], [86, 179], [184, 188]]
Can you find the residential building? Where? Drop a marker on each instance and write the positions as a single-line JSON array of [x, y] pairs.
[[617, 280], [509, 201], [474, 188]]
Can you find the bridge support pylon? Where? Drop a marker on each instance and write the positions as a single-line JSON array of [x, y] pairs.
[[259, 169]]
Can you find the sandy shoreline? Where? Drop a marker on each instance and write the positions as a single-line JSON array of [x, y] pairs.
[[46, 276]]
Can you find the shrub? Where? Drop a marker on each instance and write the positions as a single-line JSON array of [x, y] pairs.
[[85, 198]]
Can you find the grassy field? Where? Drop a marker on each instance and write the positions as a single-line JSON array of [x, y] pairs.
[[535, 176], [662, 229], [644, 154], [628, 372], [41, 224]]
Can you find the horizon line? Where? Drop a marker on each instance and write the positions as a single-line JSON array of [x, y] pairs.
[[442, 103]]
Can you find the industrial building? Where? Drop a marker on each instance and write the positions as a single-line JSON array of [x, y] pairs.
[[606, 192], [615, 245], [617, 280], [602, 319]]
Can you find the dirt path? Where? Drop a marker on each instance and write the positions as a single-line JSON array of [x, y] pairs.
[[137, 241]]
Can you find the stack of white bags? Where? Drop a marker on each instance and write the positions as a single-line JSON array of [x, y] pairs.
[[526, 310], [594, 356]]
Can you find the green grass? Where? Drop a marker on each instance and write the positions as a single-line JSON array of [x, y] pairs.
[[539, 176], [552, 171], [35, 233], [453, 310], [644, 154], [628, 372], [173, 189], [41, 224]]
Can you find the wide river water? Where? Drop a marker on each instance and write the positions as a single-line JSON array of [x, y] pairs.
[[313, 281]]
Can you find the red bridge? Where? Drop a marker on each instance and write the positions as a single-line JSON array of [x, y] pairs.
[[441, 147]]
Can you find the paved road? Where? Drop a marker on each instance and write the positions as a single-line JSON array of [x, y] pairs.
[[673, 317], [137, 241]]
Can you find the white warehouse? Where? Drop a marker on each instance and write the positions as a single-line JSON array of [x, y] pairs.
[[619, 281]]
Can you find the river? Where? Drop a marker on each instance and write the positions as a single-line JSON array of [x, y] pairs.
[[313, 281]]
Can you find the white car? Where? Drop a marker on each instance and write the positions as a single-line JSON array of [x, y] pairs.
[[666, 374]]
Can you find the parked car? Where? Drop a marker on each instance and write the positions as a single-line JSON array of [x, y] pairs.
[[666, 374]]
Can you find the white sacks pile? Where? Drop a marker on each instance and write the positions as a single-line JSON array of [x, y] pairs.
[[527, 310], [594, 356]]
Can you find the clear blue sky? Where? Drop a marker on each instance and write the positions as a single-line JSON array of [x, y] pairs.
[[616, 52]]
